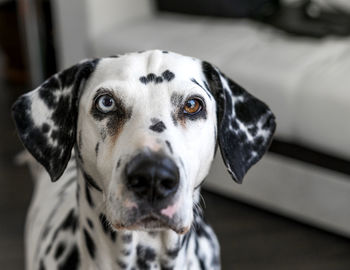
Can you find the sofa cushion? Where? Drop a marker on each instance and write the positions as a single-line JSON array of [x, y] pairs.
[[304, 81]]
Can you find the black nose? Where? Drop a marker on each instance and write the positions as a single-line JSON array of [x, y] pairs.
[[152, 176]]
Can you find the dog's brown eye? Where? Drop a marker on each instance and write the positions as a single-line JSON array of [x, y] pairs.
[[193, 106], [105, 104]]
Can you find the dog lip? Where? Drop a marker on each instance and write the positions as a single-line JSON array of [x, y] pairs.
[[151, 222]]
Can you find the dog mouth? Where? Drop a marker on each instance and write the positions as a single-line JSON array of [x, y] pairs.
[[151, 222]]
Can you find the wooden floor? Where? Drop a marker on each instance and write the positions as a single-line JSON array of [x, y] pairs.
[[251, 239]]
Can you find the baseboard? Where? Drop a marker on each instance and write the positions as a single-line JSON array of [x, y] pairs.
[[308, 193]]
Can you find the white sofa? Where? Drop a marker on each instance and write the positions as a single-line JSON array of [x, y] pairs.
[[306, 83]]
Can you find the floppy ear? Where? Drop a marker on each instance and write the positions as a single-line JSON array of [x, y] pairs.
[[245, 124], [46, 117]]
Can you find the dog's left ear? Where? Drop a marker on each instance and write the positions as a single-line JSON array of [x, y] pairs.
[[245, 124], [46, 117]]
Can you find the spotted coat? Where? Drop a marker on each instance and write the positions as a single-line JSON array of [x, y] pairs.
[[87, 123]]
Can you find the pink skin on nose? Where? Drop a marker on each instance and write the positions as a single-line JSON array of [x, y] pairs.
[[169, 211]]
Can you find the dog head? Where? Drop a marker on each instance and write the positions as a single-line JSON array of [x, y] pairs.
[[145, 127]]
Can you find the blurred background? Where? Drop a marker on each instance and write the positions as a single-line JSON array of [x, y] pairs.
[[293, 209]]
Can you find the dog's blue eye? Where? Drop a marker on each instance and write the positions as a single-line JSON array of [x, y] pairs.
[[105, 104]]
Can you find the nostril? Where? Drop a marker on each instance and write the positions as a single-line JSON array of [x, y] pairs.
[[168, 184], [137, 182]]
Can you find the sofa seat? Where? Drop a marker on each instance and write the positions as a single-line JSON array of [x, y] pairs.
[[306, 82]]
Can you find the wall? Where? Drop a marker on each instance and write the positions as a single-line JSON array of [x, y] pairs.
[[104, 14], [78, 21]]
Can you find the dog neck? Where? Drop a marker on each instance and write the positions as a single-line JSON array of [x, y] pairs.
[[122, 248]]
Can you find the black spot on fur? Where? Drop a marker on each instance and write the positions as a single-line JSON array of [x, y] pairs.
[[145, 255], [88, 196], [47, 92], [72, 260], [118, 163], [151, 77], [113, 235], [45, 232], [122, 265], [169, 146], [48, 249], [54, 135], [269, 123], [168, 75], [158, 80], [253, 131], [90, 223], [167, 268], [78, 193], [143, 79], [257, 143], [242, 136], [104, 223], [185, 241], [89, 243], [173, 253], [45, 128], [70, 222], [106, 227], [59, 250], [235, 89], [234, 124], [80, 142], [165, 52], [201, 232], [127, 238], [158, 127], [91, 181], [79, 157], [200, 259], [97, 148], [250, 111], [41, 265]]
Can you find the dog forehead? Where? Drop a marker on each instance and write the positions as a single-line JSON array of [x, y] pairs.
[[131, 67]]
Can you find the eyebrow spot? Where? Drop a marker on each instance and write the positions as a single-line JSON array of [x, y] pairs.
[[159, 80], [143, 79], [168, 75], [151, 77]]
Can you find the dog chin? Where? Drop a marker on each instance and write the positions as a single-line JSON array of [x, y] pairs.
[[151, 223]]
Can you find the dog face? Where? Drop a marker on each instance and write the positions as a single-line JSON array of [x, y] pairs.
[[145, 128]]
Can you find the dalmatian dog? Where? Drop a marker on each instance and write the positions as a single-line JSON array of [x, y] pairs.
[[130, 140]]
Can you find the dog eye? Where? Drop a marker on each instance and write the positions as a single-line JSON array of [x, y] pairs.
[[193, 106], [105, 104]]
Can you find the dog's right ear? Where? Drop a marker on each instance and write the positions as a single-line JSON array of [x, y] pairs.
[[46, 117], [245, 124]]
